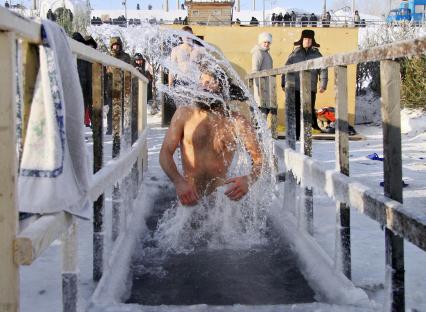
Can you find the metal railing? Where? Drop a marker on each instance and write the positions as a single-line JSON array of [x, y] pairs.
[[387, 210], [128, 92]]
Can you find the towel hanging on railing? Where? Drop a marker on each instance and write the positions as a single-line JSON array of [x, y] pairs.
[[54, 173]]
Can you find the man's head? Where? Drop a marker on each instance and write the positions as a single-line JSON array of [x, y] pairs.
[[187, 39], [139, 61], [211, 82], [116, 45], [307, 39], [265, 40]]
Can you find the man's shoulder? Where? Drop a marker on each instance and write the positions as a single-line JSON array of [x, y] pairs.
[[185, 111]]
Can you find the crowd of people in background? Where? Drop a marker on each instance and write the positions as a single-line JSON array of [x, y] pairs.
[[292, 20]]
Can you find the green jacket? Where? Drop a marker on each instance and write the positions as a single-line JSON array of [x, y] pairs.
[[120, 54]]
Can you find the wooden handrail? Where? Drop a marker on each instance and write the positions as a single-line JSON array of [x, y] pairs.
[[31, 31], [385, 52]]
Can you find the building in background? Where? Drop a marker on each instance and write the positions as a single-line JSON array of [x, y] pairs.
[[210, 12]]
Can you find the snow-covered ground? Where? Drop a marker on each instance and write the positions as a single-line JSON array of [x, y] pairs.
[[41, 283]]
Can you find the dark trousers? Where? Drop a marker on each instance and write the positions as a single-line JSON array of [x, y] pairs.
[[314, 116]]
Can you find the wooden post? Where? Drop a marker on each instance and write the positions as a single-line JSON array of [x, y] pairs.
[[290, 181], [9, 270], [117, 105], [98, 206], [127, 110], [290, 107], [69, 269], [342, 251], [306, 211], [126, 186], [134, 134], [392, 167], [142, 124], [273, 104], [31, 66]]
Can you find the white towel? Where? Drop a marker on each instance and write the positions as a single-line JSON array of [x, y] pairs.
[[54, 172]]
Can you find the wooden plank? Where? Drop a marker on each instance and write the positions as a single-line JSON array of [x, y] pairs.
[[99, 205], [342, 250], [142, 124], [117, 110], [273, 104], [306, 215], [127, 110], [38, 236], [69, 269], [10, 21], [290, 186], [116, 169], [305, 113], [134, 135], [387, 212], [388, 51], [31, 67], [290, 111], [327, 136], [9, 270], [94, 56], [392, 167]]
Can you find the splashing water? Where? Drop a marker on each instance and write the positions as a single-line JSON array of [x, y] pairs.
[[216, 221]]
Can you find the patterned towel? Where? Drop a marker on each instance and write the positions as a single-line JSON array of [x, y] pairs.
[[54, 172]]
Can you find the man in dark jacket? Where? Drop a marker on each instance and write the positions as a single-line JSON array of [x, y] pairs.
[[306, 49], [313, 20], [85, 74]]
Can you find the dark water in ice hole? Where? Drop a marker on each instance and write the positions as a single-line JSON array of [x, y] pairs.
[[264, 275]]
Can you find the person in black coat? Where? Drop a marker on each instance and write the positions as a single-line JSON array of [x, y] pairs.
[[287, 19], [313, 20], [306, 49]]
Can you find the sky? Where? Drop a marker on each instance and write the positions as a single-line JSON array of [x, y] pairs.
[[309, 5]]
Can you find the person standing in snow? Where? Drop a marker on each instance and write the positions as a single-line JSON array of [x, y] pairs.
[[357, 19], [262, 60], [116, 50], [306, 49]]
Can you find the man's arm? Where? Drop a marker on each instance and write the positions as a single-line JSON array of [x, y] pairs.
[[240, 185], [173, 60], [185, 191], [288, 62]]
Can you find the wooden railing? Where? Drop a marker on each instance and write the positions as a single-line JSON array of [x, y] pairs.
[[129, 90], [387, 210]]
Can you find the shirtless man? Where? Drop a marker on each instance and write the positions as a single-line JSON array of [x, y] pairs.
[[183, 55], [207, 136]]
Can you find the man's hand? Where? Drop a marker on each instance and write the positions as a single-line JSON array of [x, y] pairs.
[[187, 193], [238, 188], [321, 90]]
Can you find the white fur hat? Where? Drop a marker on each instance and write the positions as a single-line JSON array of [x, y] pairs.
[[264, 37]]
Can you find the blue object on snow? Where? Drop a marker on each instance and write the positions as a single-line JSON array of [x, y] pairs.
[[374, 156], [382, 184]]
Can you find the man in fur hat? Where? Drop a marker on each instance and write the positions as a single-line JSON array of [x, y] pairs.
[[306, 49]]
